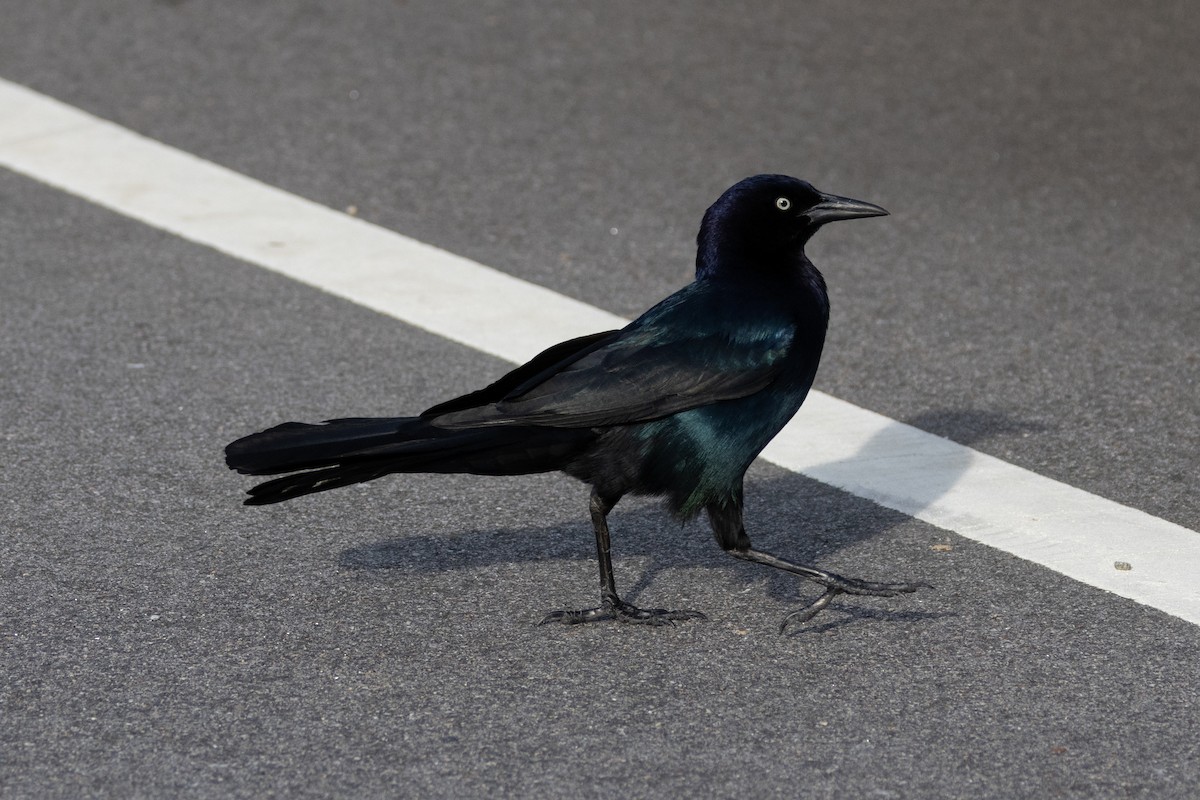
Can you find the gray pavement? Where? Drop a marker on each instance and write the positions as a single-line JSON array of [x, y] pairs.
[[1033, 295]]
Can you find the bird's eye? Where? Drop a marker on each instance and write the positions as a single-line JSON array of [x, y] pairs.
[[783, 204]]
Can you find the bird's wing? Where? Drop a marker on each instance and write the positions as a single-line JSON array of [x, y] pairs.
[[633, 378], [549, 361]]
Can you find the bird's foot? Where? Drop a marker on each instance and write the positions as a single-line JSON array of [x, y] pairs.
[[870, 588], [835, 585], [621, 611]]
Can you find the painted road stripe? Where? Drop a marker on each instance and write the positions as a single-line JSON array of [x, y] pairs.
[[933, 479]]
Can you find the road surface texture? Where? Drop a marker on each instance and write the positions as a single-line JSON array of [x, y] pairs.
[[1034, 296]]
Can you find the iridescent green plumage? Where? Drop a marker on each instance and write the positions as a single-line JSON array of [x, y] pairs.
[[678, 403]]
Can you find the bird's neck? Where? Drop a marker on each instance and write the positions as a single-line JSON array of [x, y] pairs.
[[718, 260], [724, 251]]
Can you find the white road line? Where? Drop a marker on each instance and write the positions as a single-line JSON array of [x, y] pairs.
[[953, 487]]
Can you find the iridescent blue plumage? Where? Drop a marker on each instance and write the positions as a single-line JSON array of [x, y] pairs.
[[678, 403]]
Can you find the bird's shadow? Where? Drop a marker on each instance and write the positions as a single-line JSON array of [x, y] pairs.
[[778, 506]]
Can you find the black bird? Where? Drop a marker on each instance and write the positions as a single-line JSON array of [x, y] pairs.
[[678, 403]]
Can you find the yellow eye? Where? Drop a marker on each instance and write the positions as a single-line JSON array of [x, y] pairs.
[[783, 204]]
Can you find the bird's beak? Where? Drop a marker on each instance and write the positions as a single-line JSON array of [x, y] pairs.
[[832, 208]]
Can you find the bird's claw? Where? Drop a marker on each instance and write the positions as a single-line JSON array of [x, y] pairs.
[[621, 611], [835, 585], [803, 615]]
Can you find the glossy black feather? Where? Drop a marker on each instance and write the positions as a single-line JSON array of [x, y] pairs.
[[678, 403], [534, 371], [672, 359]]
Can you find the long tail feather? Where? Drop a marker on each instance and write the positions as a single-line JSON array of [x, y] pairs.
[[342, 452], [300, 445]]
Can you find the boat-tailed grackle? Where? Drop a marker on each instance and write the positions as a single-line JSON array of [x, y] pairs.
[[677, 404]]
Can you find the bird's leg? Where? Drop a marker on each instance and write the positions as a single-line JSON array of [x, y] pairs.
[[611, 606], [731, 535]]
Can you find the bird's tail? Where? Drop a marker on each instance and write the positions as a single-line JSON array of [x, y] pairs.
[[342, 452]]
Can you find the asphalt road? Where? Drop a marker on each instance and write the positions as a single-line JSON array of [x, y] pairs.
[[1033, 295]]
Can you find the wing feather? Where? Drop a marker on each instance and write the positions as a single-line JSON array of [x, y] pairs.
[[635, 379]]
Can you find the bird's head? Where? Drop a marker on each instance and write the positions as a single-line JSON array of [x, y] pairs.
[[767, 220]]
